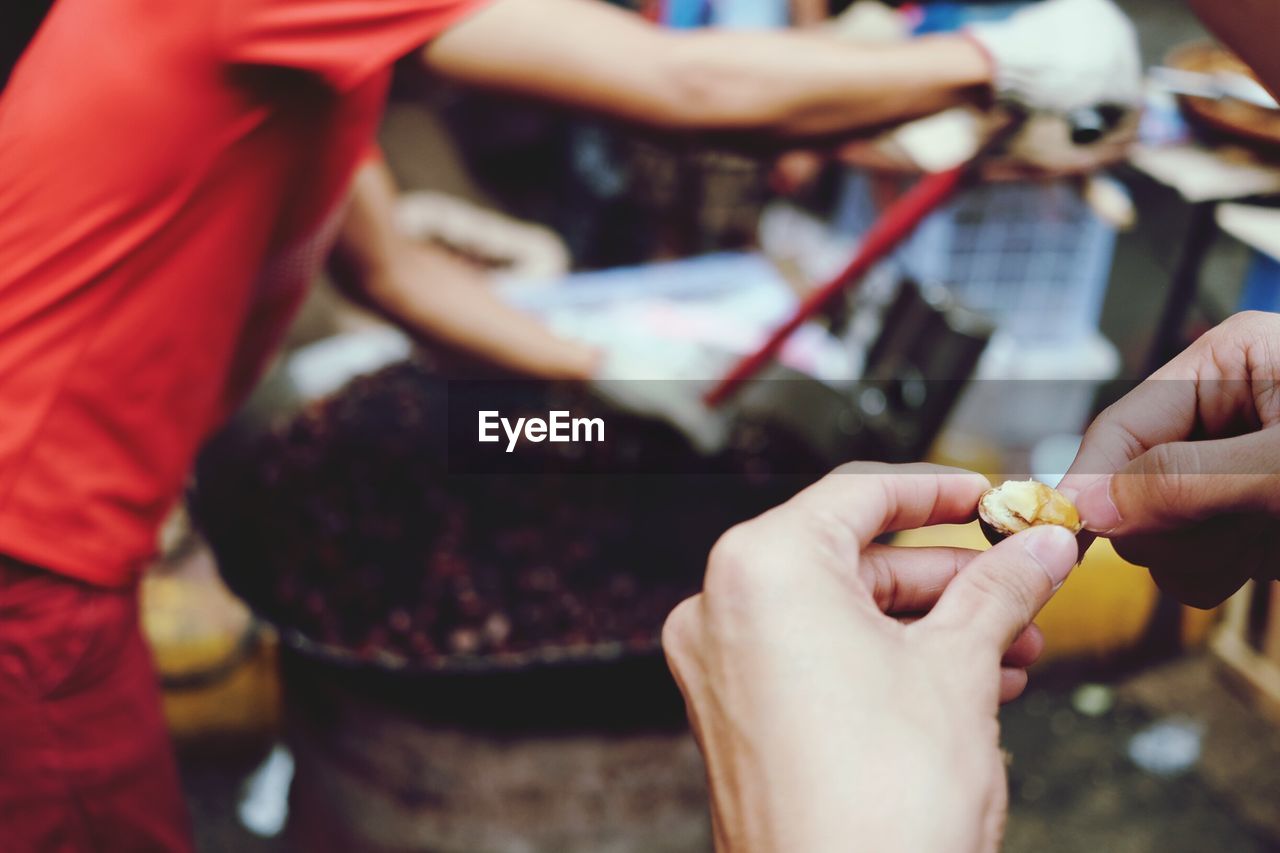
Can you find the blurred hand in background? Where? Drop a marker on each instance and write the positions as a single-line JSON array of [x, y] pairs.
[[438, 297], [1183, 473], [828, 720]]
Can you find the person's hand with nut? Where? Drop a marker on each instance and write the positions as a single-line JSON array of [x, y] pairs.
[[844, 692], [1183, 473]]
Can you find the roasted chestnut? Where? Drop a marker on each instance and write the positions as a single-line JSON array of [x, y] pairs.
[[1014, 506]]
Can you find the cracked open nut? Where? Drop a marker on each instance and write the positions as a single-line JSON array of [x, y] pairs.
[[1017, 505]]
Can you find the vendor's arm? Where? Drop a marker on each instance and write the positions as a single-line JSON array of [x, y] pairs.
[[1058, 55], [590, 55], [437, 297]]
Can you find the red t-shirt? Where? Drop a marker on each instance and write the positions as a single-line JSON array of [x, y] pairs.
[[171, 177]]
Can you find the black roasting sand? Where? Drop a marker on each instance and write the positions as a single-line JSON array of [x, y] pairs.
[[345, 523]]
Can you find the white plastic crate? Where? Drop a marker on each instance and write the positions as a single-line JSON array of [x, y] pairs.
[[1022, 394], [1032, 256]]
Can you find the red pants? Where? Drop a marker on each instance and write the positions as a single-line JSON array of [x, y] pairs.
[[85, 758]]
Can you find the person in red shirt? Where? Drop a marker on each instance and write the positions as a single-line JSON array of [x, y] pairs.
[[172, 175]]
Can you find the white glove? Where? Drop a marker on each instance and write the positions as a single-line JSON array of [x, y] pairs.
[[640, 380], [1064, 55]]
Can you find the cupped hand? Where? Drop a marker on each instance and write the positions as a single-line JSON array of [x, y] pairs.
[[826, 722], [1183, 473]]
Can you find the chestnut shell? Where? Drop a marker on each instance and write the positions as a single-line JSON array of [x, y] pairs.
[[1060, 511]]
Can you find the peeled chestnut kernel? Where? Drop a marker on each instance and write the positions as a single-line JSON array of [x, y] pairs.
[[1017, 505]]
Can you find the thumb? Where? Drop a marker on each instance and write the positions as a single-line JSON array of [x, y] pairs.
[[995, 597], [1180, 483]]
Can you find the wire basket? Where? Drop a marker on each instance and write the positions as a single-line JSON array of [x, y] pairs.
[[1031, 256]]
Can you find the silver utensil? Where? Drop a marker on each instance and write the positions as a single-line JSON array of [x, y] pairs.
[[1218, 86]]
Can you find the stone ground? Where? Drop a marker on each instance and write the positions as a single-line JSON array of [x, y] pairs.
[[1074, 789]]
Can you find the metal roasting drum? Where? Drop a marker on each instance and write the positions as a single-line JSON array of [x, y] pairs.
[[915, 370]]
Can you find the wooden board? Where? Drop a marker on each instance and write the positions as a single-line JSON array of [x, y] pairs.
[[1254, 666], [1271, 635]]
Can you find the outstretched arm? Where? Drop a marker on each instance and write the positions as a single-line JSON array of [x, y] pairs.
[[790, 84]]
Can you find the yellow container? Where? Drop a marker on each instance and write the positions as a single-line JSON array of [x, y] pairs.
[[1107, 604], [218, 668], [1103, 608]]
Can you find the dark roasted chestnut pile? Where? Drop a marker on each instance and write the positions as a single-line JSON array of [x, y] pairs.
[[347, 523]]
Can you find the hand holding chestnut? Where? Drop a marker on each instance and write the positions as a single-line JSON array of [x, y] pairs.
[[828, 708], [1183, 473]]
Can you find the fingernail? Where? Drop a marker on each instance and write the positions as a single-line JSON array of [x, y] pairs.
[[1097, 510], [1054, 550]]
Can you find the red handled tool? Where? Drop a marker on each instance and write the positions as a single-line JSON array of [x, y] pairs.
[[894, 225]]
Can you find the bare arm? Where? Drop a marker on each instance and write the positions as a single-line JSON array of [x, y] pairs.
[[791, 84], [437, 297]]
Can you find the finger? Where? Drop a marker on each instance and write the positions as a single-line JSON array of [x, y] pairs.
[[1181, 483], [1156, 412], [1001, 591], [1199, 584], [1012, 682], [1205, 563], [1212, 386], [822, 532], [862, 500], [1202, 593], [907, 580], [1025, 650], [680, 637]]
